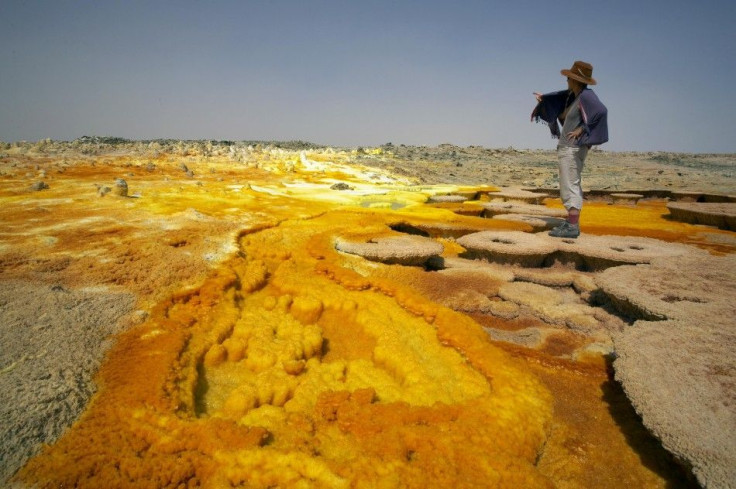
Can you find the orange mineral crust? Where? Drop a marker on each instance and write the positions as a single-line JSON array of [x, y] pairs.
[[425, 400], [264, 356]]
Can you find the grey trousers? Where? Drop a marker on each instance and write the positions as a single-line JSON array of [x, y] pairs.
[[570, 160]]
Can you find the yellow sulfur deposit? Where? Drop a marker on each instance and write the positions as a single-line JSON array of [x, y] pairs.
[[332, 384], [295, 365]]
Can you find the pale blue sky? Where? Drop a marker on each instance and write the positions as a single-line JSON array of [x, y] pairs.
[[364, 72]]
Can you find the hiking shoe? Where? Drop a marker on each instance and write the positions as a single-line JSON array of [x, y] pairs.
[[566, 230]]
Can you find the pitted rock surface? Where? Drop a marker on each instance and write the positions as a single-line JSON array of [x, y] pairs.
[[721, 215], [686, 397], [447, 198], [446, 229], [511, 247], [630, 199], [492, 209], [593, 252], [53, 342], [538, 223], [552, 305], [517, 195], [401, 250], [587, 252], [698, 286]]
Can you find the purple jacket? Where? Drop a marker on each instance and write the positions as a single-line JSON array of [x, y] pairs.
[[592, 111]]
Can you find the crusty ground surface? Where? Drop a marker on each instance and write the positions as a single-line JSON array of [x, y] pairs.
[[77, 268]]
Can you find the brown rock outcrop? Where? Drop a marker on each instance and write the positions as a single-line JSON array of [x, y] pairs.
[[686, 397], [121, 188], [401, 250], [551, 305], [447, 198], [512, 247], [721, 215], [591, 252], [53, 341], [39, 186], [626, 198], [588, 252], [517, 195], [492, 209], [538, 223]]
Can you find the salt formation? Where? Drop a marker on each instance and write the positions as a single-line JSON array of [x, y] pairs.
[[721, 215], [497, 208], [402, 250], [292, 335], [626, 198], [525, 249], [588, 252], [537, 223], [686, 395], [516, 196]]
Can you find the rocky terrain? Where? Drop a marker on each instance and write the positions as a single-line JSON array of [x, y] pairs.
[[152, 264], [604, 170], [469, 165]]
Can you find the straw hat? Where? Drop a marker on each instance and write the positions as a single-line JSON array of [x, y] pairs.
[[580, 71]]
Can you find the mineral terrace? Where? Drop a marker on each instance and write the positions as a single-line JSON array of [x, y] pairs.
[[244, 314]]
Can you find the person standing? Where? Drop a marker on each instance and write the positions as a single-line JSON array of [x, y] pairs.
[[584, 122]]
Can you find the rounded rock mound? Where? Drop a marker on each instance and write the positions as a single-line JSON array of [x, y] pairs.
[[588, 252], [626, 198], [508, 247], [517, 195], [492, 209], [593, 253], [399, 250], [720, 214], [450, 198], [538, 223]]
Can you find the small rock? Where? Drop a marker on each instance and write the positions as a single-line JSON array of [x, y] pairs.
[[190, 173], [39, 186], [150, 166], [103, 190], [341, 186], [184, 167], [121, 188]]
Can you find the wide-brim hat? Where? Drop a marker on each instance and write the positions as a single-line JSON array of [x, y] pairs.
[[580, 71]]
